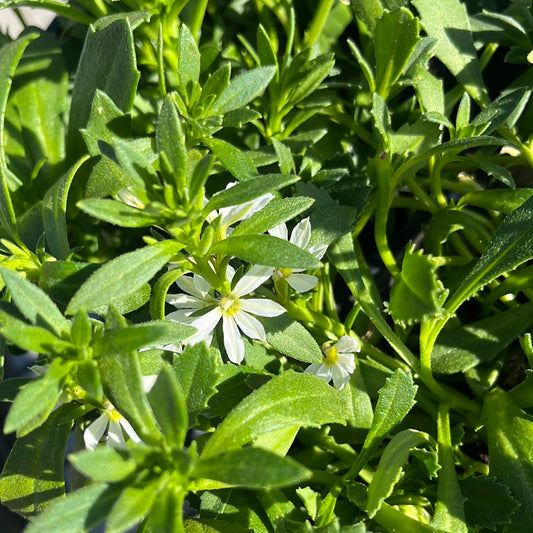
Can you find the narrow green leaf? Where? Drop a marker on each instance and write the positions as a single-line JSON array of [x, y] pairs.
[[215, 85], [122, 276], [251, 468], [10, 55], [104, 464], [196, 370], [188, 59], [417, 292], [458, 349], [115, 73], [117, 213], [242, 90], [55, 212], [141, 336], [448, 21], [276, 212], [510, 439], [364, 65], [249, 190], [10, 387], [286, 400], [290, 338], [382, 122], [238, 163], [510, 246], [368, 12], [36, 400], [266, 250], [121, 378], [391, 463], [79, 512], [131, 507], [34, 304], [168, 405], [396, 36], [285, 160], [503, 200], [34, 472], [171, 141]]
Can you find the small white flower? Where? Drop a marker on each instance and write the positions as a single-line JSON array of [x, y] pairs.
[[300, 236], [235, 311], [338, 363], [114, 423]]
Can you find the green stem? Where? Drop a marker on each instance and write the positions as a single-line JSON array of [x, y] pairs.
[[197, 18], [318, 22]]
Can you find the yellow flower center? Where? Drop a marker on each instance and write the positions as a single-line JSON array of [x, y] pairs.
[[331, 355], [229, 306], [282, 273], [113, 415]]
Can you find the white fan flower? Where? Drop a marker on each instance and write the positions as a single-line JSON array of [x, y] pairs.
[[338, 363], [235, 311], [300, 236]]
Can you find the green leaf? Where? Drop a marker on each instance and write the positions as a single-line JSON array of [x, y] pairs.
[[188, 59], [396, 398], [104, 464], [286, 400], [242, 90], [510, 246], [36, 400], [396, 36], [168, 405], [215, 85], [364, 65], [265, 250], [131, 507], [34, 472], [251, 468], [122, 276], [276, 212], [510, 439], [10, 55], [368, 12], [79, 512], [117, 213], [196, 370], [141, 336], [488, 502], [391, 463], [290, 338], [458, 349], [238, 163], [115, 73], [382, 121], [54, 213], [417, 292], [171, 141], [285, 159], [121, 378], [40, 95], [249, 190], [34, 304], [448, 22], [503, 200], [106, 121]]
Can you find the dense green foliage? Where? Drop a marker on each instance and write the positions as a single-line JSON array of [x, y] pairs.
[[276, 255]]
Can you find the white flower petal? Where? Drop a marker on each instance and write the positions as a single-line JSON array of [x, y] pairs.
[[232, 340], [186, 284], [301, 234], [128, 429], [255, 277], [280, 231], [250, 326], [261, 307], [346, 361], [205, 324], [318, 250], [321, 371], [340, 376], [186, 301], [115, 437], [201, 285], [347, 345], [95, 431], [183, 316], [302, 282]]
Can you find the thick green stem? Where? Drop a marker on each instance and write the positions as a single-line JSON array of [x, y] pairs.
[[318, 22]]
